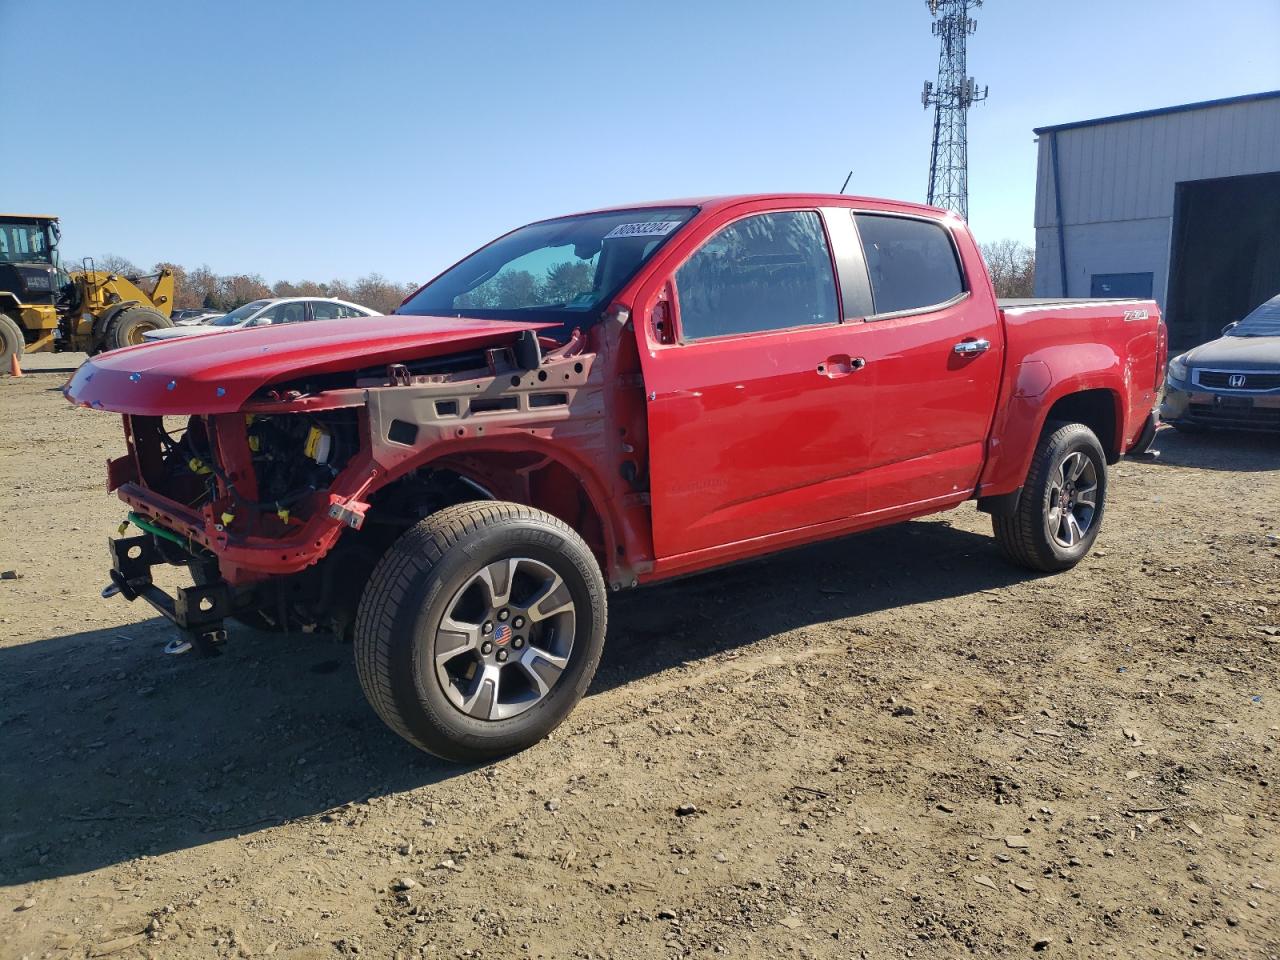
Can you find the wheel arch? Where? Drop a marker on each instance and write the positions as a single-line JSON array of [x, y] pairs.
[[1098, 408], [1019, 426], [518, 470]]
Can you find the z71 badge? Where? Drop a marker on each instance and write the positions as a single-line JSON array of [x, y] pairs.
[[1136, 315]]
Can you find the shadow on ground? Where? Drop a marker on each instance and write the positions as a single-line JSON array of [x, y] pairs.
[[112, 750], [1216, 450]]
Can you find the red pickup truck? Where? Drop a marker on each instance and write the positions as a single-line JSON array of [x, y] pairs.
[[604, 401]]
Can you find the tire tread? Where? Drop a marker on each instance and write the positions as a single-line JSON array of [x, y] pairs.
[[1021, 534], [391, 586]]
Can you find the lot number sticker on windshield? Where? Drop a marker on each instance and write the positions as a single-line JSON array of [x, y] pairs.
[[657, 228]]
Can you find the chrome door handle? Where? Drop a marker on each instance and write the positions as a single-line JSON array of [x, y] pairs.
[[967, 348]]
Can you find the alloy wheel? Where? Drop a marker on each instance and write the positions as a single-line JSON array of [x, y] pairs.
[[1073, 499], [505, 639]]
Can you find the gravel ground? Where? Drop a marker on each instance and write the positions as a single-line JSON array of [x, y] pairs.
[[894, 745]]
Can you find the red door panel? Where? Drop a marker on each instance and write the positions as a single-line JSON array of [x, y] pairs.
[[748, 438], [933, 405]]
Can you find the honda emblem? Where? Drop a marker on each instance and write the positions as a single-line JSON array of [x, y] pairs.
[[1236, 380]]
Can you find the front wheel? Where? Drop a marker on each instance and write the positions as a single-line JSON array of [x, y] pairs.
[[1060, 510], [480, 629]]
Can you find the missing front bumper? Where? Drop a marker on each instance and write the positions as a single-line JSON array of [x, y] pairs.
[[198, 611]]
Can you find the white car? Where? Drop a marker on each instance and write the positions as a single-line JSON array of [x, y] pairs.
[[262, 313], [189, 318]]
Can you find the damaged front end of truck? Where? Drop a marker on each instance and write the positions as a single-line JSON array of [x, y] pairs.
[[279, 466]]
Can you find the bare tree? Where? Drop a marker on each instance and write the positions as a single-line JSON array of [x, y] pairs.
[[240, 289], [203, 286], [378, 293], [114, 263], [1013, 268]]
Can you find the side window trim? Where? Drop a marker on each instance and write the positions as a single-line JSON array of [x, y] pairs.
[[966, 289], [678, 321], [917, 311]]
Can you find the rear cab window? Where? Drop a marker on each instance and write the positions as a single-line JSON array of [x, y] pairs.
[[912, 263], [768, 271]]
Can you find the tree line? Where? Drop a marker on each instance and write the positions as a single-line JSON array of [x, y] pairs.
[[1012, 265], [201, 287]]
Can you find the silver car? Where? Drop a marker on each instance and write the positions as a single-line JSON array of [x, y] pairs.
[[267, 312], [1232, 383]]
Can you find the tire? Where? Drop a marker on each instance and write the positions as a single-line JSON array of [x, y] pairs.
[[415, 673], [1024, 535], [12, 343], [128, 326]]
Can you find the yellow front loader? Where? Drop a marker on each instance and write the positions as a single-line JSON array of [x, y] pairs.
[[43, 307]]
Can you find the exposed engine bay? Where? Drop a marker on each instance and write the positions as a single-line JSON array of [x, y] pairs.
[[293, 457]]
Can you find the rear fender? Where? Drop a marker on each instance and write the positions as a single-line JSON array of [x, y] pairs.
[[1032, 396]]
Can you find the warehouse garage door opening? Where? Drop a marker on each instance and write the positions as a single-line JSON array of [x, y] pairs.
[[1179, 204], [1226, 254]]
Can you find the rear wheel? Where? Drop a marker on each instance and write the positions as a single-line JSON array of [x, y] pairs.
[[1060, 510], [128, 326], [480, 629], [11, 342]]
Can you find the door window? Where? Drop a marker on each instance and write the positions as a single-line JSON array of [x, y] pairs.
[[770, 271], [325, 310], [912, 263], [281, 313], [291, 312]]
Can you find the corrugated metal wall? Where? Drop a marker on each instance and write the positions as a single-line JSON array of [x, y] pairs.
[[1118, 186]]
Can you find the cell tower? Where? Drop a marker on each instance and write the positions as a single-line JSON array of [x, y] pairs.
[[955, 92]]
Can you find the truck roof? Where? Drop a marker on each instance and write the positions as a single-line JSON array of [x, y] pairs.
[[729, 200], [27, 216]]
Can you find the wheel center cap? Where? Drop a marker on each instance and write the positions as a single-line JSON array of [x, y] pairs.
[[502, 634]]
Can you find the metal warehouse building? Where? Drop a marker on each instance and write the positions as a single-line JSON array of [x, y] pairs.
[[1180, 204]]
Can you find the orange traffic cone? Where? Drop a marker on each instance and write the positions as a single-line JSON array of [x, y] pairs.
[[15, 368]]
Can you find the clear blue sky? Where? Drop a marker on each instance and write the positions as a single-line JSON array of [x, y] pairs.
[[316, 139]]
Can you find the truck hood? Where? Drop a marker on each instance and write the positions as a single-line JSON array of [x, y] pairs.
[[220, 372], [1237, 353]]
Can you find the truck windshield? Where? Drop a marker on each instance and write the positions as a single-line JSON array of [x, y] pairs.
[[24, 243], [1262, 322], [560, 271]]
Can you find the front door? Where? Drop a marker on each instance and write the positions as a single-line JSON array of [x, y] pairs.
[[757, 420]]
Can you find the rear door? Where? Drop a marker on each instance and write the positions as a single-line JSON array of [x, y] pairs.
[[326, 310], [756, 418], [933, 352]]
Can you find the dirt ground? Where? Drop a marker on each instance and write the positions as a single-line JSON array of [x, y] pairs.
[[894, 745]]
